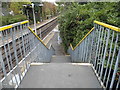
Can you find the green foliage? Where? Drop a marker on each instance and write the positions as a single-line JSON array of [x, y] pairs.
[[78, 19], [17, 7], [6, 20]]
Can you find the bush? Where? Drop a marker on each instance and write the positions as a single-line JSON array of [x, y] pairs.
[[78, 19], [6, 20]]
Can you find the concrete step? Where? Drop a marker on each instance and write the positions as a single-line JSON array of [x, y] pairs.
[[61, 59]]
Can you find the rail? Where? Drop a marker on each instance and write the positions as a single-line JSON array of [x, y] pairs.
[[45, 28], [19, 47], [101, 48]]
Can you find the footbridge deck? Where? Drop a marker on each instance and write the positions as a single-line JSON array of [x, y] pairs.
[[60, 72]]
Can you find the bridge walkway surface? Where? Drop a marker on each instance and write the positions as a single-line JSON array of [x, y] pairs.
[[60, 73]]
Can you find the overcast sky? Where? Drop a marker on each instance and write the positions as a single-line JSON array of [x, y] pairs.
[[49, 0]]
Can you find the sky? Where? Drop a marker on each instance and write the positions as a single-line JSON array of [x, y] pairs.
[[49, 0], [52, 1]]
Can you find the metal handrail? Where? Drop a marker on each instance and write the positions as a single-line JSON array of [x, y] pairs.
[[37, 37], [100, 47], [12, 25], [100, 23], [82, 39], [108, 26], [20, 47], [40, 39]]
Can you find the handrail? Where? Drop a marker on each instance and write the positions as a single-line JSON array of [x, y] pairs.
[[26, 47], [71, 46], [12, 25], [37, 37], [81, 40], [100, 23], [22, 22], [100, 47], [108, 26]]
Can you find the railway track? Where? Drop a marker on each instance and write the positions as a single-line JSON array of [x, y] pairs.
[[8, 48]]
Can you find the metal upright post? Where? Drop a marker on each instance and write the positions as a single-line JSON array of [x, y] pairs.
[[115, 69], [34, 18], [5, 84]]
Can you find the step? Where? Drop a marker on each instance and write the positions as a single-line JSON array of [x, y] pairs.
[[61, 59]]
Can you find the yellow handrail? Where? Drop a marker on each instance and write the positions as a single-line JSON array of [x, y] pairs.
[[82, 39], [12, 25], [24, 22], [5, 27], [37, 37], [71, 46], [108, 26], [100, 23]]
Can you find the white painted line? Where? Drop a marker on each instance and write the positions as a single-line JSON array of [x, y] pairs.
[[36, 64], [50, 33], [47, 35], [84, 64]]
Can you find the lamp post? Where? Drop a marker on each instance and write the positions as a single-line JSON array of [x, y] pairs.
[[33, 11], [34, 18], [40, 5]]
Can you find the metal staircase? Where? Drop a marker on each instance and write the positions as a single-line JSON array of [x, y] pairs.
[[98, 52]]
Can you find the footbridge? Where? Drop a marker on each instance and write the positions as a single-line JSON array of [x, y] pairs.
[[28, 60]]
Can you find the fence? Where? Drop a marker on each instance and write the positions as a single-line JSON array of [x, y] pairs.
[[18, 48], [101, 48]]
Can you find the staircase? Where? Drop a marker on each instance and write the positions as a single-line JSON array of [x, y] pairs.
[[60, 73], [93, 63], [61, 59]]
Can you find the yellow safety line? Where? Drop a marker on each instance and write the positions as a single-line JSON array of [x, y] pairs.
[[37, 37], [24, 22], [108, 26], [5, 27], [83, 38]]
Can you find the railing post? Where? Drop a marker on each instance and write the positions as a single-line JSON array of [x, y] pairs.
[[103, 46], [115, 69], [97, 44], [99, 49], [104, 54], [91, 49], [109, 57], [22, 35], [5, 84], [15, 51], [6, 53], [112, 60], [118, 82]]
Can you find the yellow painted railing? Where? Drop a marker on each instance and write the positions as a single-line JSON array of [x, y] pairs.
[[12, 25], [99, 23], [37, 37], [108, 26]]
